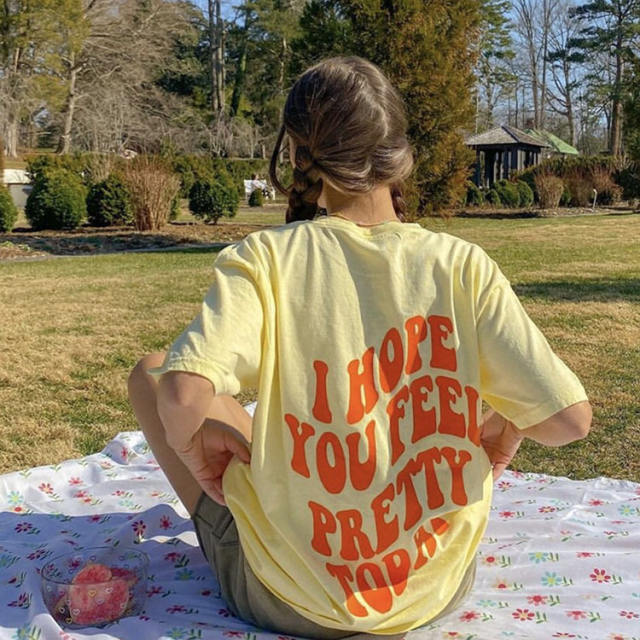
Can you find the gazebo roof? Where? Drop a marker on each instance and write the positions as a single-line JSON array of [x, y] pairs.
[[557, 144], [503, 135]]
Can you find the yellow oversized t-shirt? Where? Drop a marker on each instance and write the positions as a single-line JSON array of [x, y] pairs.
[[368, 491]]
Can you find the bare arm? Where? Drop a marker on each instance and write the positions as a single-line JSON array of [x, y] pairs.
[[570, 424], [205, 446], [183, 402], [501, 438]]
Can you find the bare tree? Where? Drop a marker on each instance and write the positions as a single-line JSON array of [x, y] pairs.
[[533, 21], [115, 47], [26, 31], [565, 80], [216, 55]]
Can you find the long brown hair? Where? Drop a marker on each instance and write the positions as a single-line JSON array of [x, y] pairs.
[[348, 124]]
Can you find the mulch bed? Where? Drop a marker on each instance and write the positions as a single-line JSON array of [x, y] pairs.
[[25, 244], [479, 212], [22, 243]]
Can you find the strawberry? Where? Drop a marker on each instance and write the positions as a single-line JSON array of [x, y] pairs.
[[126, 574], [98, 603], [92, 574]]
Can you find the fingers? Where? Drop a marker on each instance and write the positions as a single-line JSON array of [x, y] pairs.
[[239, 448], [498, 469], [216, 492]]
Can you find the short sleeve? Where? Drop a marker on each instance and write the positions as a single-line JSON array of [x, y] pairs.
[[520, 375], [224, 341]]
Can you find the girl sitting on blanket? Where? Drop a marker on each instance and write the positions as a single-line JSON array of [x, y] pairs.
[[355, 498]]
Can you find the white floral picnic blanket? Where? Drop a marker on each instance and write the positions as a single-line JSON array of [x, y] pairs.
[[560, 559]]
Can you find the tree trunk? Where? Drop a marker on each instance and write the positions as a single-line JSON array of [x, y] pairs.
[[569, 101], [64, 143], [219, 57], [283, 62], [241, 68], [12, 135], [616, 106], [545, 49], [212, 55], [13, 118]]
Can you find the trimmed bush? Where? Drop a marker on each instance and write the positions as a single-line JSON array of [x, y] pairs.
[[629, 179], [191, 168], [8, 209], [525, 193], [549, 188], [89, 167], [57, 201], [109, 203], [475, 197], [493, 197], [256, 199], [209, 200], [508, 193]]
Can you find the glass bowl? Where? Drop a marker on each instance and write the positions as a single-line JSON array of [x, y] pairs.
[[95, 586]]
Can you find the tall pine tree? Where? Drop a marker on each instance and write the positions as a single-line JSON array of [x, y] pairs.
[[426, 49], [611, 27]]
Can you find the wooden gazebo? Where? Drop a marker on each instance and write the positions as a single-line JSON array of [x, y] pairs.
[[502, 150]]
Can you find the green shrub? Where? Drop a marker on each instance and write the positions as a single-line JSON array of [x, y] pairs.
[[475, 197], [89, 167], [8, 210], [57, 201], [565, 198], [212, 199], [256, 199], [549, 188], [191, 168], [525, 193], [508, 192], [241, 169], [629, 179], [493, 197], [109, 203], [174, 212]]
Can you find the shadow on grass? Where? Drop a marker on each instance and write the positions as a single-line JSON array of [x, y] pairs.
[[594, 289]]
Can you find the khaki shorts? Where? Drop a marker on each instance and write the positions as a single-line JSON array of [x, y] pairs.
[[248, 599]]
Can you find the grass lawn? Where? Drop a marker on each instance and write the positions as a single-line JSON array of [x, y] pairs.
[[72, 328]]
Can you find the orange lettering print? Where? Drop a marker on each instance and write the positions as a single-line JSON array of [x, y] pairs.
[[387, 462]]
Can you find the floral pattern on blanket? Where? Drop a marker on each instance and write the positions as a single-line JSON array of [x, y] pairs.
[[559, 558]]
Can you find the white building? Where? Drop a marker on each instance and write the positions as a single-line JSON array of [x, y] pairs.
[[19, 185]]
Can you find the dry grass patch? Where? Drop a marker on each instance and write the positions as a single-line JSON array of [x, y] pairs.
[[73, 328]]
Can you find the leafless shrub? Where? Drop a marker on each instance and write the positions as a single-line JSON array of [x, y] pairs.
[[580, 186], [153, 186], [608, 191], [549, 188]]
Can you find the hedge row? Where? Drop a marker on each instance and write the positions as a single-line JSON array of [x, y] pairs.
[[612, 179], [502, 193], [70, 188]]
